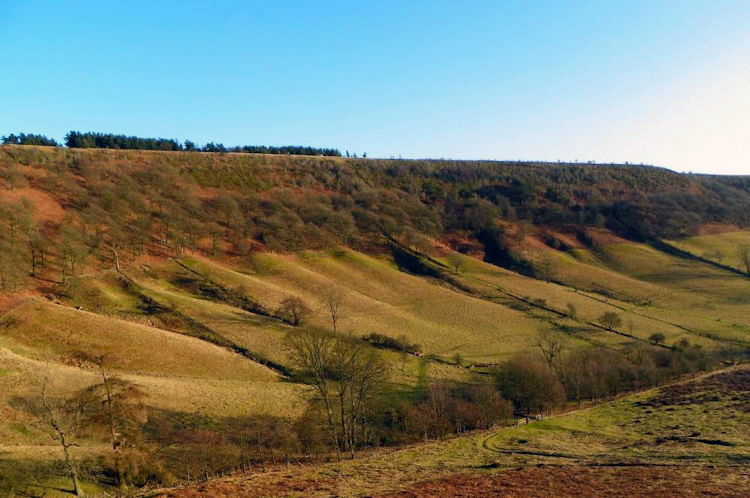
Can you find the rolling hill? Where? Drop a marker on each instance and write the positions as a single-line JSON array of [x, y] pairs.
[[657, 441], [175, 267]]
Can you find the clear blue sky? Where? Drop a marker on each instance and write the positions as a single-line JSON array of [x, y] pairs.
[[665, 82]]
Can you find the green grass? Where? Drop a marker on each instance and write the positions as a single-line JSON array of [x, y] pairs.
[[104, 293], [709, 428], [46, 331], [712, 430], [661, 293], [651, 290], [719, 247], [385, 300]]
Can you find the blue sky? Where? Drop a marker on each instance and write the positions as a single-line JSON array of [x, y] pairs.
[[662, 82]]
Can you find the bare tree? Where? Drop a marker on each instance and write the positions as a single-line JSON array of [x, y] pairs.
[[657, 338], [610, 320], [456, 263], [347, 376], [116, 405], [744, 254], [313, 352], [360, 373], [572, 311], [335, 305], [293, 310], [551, 344], [531, 385], [116, 241], [63, 420], [546, 268]]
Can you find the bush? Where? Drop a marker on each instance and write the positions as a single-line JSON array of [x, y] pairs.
[[387, 342], [657, 338], [293, 310], [610, 320]]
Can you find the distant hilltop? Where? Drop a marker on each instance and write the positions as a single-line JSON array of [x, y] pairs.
[[95, 140]]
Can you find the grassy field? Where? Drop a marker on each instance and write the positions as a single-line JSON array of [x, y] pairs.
[[658, 292], [42, 330], [690, 431], [385, 300], [245, 224], [496, 315], [720, 247], [39, 340]]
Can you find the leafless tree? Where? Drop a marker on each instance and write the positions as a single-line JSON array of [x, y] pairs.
[[335, 305], [347, 376], [610, 320], [546, 268], [116, 406], [657, 338], [63, 421], [116, 242], [456, 263], [744, 254], [572, 311], [551, 344], [361, 373], [293, 310], [313, 353]]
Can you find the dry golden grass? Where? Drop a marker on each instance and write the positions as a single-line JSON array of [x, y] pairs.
[[42, 330], [22, 378], [382, 299], [651, 430], [659, 292], [638, 320], [720, 247]]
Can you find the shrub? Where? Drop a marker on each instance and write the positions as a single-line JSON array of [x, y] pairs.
[[397, 344], [657, 338], [610, 320]]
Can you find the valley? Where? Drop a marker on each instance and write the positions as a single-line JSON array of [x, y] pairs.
[[196, 279]]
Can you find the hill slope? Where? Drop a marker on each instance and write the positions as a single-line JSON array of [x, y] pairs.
[[179, 264], [667, 441]]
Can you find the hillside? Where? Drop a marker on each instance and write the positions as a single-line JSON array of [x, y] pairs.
[[667, 441], [176, 270]]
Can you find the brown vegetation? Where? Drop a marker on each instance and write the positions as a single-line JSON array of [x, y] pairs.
[[573, 480]]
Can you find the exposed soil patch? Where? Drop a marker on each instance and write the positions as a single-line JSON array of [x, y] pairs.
[[631, 481], [46, 208]]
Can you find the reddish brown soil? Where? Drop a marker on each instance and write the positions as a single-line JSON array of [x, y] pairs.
[[46, 208], [590, 481]]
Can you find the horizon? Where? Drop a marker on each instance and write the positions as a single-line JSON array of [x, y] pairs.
[[628, 82], [229, 150], [575, 162]]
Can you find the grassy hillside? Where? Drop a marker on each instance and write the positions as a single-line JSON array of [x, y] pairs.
[[174, 266], [50, 332], [387, 301], [675, 429]]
